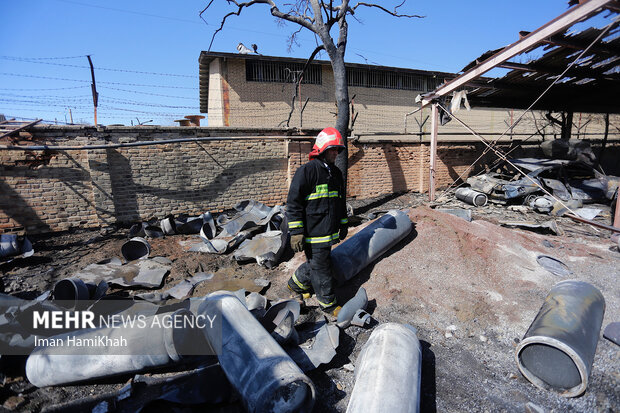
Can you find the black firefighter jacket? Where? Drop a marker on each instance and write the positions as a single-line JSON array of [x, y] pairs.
[[316, 204]]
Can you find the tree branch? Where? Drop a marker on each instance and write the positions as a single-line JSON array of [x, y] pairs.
[[293, 39], [392, 13], [240, 6]]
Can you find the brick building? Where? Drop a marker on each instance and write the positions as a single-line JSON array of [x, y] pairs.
[[249, 90]]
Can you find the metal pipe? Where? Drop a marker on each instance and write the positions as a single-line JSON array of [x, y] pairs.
[[593, 223], [265, 376], [471, 197], [71, 290], [146, 348], [388, 372], [136, 248], [353, 255], [558, 349], [132, 144]]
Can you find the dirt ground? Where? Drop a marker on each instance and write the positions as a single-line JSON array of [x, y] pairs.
[[471, 289]]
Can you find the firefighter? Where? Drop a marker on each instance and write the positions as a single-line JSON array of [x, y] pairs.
[[317, 219]]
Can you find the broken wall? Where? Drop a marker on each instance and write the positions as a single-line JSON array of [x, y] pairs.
[[44, 191]]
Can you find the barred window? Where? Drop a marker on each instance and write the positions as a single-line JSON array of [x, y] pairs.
[[390, 80], [265, 71]]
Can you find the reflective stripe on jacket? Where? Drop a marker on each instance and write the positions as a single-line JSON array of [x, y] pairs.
[[316, 205]]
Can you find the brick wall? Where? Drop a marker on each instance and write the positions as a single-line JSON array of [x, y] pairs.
[[42, 191]]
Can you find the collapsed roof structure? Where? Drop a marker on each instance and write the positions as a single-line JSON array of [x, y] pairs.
[[577, 72]]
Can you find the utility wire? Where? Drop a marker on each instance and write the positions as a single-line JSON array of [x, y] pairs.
[[147, 93], [44, 89], [28, 60], [88, 81]]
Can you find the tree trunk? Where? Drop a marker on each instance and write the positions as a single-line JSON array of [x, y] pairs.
[[342, 102]]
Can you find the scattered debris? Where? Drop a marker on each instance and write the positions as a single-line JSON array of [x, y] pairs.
[[265, 248], [351, 307], [12, 245], [553, 265], [318, 346], [588, 213], [533, 408], [566, 180], [461, 213], [612, 332], [546, 227], [557, 351], [361, 318]]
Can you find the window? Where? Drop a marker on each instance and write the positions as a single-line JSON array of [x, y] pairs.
[[265, 71], [390, 80]]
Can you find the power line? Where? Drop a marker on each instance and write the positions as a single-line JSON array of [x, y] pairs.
[[88, 81], [40, 89], [29, 60], [129, 11], [50, 58], [147, 93]]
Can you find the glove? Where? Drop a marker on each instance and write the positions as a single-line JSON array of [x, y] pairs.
[[297, 242], [344, 230]]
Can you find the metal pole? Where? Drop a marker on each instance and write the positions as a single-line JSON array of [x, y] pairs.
[[93, 87], [617, 215], [434, 127]]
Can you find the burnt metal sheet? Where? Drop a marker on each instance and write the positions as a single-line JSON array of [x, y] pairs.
[[350, 308], [493, 185], [265, 248], [558, 188], [465, 214], [612, 332], [249, 213], [147, 273], [553, 265], [547, 227], [319, 344]]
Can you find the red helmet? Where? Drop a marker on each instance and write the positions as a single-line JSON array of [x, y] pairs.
[[327, 138]]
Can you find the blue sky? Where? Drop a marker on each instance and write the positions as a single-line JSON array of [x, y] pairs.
[[146, 53]]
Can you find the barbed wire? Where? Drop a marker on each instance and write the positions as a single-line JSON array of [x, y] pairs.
[[18, 59]]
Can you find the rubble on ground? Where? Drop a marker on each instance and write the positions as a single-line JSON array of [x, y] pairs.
[[470, 289]]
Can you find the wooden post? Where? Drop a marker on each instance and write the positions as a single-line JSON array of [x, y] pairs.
[[93, 87], [434, 128]]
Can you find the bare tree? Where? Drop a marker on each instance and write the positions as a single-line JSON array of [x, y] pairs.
[[319, 16]]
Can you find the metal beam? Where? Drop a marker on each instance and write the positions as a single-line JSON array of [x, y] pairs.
[[556, 25], [434, 130]]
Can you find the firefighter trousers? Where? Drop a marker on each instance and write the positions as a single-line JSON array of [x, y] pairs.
[[316, 274]]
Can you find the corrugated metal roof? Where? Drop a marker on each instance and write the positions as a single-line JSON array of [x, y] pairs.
[[592, 84]]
